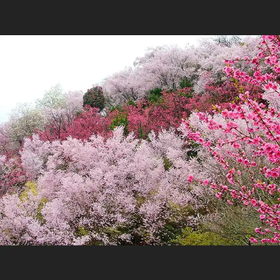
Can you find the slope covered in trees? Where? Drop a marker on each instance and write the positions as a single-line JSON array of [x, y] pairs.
[[181, 149]]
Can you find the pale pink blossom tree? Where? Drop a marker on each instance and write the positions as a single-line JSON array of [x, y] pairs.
[[161, 67], [211, 57], [165, 67], [110, 191]]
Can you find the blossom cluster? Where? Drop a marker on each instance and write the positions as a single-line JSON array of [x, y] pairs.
[[244, 140], [110, 191]]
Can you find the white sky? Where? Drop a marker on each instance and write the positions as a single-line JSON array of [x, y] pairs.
[[31, 65]]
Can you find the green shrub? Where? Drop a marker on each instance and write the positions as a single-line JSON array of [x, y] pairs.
[[185, 82], [167, 163], [115, 107], [199, 238], [131, 102], [141, 133], [155, 95], [120, 120]]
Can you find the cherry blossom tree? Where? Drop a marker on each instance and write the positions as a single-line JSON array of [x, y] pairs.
[[211, 56], [161, 67], [100, 191], [60, 117], [123, 86], [166, 67], [52, 98], [88, 122], [23, 121]]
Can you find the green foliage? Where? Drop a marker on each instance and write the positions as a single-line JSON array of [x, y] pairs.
[[116, 107], [174, 227], [78, 113], [39, 215], [193, 149], [112, 232], [170, 231], [178, 210], [237, 222], [155, 96], [131, 102], [81, 231], [190, 237], [94, 97], [140, 132], [167, 163], [185, 82], [120, 120], [30, 187], [189, 94]]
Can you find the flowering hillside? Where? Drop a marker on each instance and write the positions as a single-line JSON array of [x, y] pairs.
[[181, 149]]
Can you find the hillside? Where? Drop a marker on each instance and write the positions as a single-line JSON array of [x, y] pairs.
[[181, 149]]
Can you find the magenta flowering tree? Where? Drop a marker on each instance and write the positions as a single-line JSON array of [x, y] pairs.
[[244, 140], [81, 126], [12, 175], [86, 123], [155, 117]]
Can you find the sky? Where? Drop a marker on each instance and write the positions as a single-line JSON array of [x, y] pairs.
[[31, 64]]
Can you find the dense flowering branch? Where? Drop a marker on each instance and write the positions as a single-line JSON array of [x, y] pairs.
[[252, 133]]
